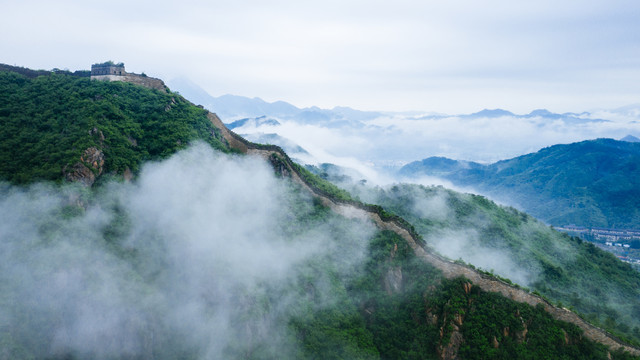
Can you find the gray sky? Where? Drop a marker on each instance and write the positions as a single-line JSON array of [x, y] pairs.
[[453, 56]]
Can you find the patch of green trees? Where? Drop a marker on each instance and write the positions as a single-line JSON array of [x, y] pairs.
[[46, 123], [565, 269]]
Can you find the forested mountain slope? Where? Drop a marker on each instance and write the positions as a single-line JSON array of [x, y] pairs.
[[207, 255], [593, 183], [516, 246], [64, 126]]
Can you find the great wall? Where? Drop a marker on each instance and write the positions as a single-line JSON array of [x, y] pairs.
[[284, 165], [109, 71]]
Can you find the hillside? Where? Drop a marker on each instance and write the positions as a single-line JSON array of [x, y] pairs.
[[593, 183], [180, 262], [514, 245], [64, 126], [618, 278]]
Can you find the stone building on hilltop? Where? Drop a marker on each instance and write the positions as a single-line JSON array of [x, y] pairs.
[[110, 71], [108, 68]]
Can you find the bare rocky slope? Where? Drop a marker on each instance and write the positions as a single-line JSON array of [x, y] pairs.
[[284, 166]]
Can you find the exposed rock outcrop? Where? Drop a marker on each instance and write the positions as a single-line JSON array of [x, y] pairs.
[[393, 280], [87, 169], [521, 335], [495, 343], [448, 350]]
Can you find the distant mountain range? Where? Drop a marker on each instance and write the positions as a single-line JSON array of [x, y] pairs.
[[591, 183], [384, 141], [292, 149], [255, 122], [233, 107], [630, 138], [569, 117]]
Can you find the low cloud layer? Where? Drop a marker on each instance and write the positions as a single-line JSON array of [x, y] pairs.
[[376, 146], [465, 244], [453, 227], [187, 261]]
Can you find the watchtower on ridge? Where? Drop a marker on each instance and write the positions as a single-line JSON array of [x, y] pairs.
[[108, 68], [110, 71]]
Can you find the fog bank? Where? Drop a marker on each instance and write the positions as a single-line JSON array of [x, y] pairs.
[[194, 259]]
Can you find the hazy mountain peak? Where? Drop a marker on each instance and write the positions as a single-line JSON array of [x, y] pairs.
[[630, 138], [543, 113], [253, 122], [491, 113]]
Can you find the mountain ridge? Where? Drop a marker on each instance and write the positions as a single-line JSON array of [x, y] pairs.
[[588, 183], [342, 203], [236, 107], [451, 269]]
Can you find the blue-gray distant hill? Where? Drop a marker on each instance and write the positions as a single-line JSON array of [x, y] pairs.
[[259, 121], [590, 183], [231, 108]]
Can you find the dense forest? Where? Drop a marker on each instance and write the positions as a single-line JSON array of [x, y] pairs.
[[514, 245], [48, 122], [195, 257], [362, 295]]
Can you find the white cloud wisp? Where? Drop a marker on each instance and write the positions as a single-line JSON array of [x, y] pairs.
[[193, 259]]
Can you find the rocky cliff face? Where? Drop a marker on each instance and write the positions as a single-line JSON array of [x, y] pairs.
[[393, 278], [87, 169]]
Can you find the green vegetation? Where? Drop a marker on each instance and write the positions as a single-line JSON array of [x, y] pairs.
[[428, 315], [592, 183], [364, 296], [561, 268], [111, 63], [324, 186], [47, 122], [35, 73]]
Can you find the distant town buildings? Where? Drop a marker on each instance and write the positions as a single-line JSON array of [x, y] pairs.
[[612, 235], [615, 241]]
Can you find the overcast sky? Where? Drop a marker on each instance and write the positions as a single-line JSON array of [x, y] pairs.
[[453, 56]]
